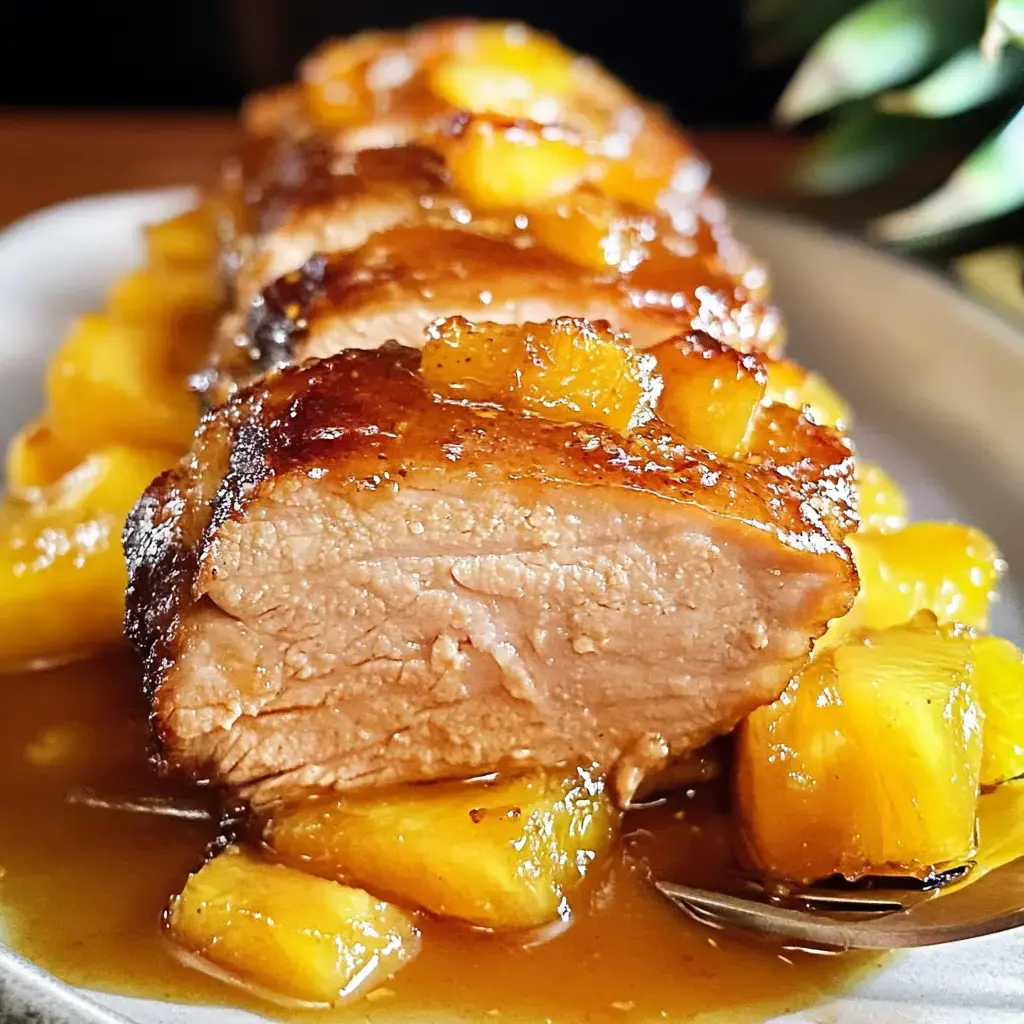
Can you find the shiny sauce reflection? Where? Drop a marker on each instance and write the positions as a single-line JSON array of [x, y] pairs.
[[87, 872]]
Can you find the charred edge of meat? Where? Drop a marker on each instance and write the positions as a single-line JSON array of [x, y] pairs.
[[278, 317], [165, 535]]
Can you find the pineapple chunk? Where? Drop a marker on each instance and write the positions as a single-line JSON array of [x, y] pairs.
[[791, 384], [171, 295], [62, 573], [656, 162], [506, 70], [334, 80], [999, 681], [1000, 829], [595, 231], [711, 394], [111, 382], [880, 503], [189, 240], [494, 164], [498, 854], [36, 457], [946, 568], [868, 763], [290, 933], [564, 370]]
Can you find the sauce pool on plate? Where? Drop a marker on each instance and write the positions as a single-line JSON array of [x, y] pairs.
[[88, 868]]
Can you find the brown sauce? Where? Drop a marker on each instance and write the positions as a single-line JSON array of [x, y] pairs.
[[83, 888]]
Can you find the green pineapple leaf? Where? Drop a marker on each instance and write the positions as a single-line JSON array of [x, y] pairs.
[[965, 81], [1005, 24], [880, 44], [862, 147], [987, 184]]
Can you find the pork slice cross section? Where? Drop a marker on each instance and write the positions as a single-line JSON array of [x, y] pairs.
[[355, 582]]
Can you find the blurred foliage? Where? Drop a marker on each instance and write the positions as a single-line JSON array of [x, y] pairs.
[[895, 81]]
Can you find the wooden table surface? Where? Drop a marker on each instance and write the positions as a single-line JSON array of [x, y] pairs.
[[47, 157]]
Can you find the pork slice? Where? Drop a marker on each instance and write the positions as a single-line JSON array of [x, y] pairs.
[[404, 279], [354, 582]]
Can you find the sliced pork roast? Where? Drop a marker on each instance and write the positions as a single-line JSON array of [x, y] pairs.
[[355, 581]]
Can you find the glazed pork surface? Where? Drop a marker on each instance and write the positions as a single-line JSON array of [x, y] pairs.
[[354, 580]]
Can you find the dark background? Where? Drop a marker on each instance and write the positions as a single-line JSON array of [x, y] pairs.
[[209, 53]]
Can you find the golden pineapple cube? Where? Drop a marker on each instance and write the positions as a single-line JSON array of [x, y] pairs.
[[946, 568], [566, 370], [36, 457], [999, 681], [657, 157], [507, 70], [869, 763], [188, 240], [111, 381], [498, 164], [881, 504], [176, 294], [1000, 829], [290, 933], [62, 571], [594, 230], [791, 384], [500, 854], [334, 84], [711, 393]]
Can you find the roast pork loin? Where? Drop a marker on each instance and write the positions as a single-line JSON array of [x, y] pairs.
[[354, 580]]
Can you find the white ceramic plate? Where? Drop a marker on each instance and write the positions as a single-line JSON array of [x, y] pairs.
[[938, 386]]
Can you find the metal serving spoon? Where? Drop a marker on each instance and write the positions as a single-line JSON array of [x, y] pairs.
[[869, 919]]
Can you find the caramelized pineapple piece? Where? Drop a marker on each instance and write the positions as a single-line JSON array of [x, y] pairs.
[[999, 681], [62, 572], [507, 70], [168, 295], [869, 763], [1000, 829], [334, 80], [711, 392], [880, 503], [188, 240], [112, 381], [37, 457], [791, 384], [500, 854], [564, 370], [496, 164], [946, 568], [289, 932], [594, 230], [657, 161]]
